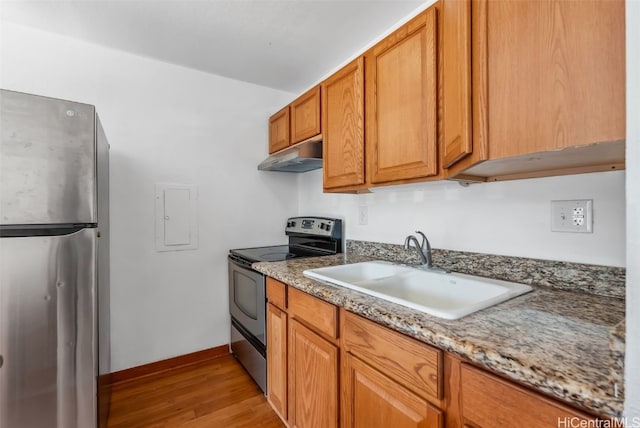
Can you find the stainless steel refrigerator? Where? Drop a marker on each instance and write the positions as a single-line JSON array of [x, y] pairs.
[[54, 264]]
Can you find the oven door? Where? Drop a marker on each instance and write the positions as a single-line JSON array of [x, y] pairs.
[[247, 302]]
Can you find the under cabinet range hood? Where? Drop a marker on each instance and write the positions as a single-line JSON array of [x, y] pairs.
[[303, 157]]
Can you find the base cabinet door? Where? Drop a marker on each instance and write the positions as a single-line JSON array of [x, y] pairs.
[[372, 400], [313, 379], [277, 359]]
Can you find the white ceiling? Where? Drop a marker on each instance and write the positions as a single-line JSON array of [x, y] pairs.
[[285, 44]]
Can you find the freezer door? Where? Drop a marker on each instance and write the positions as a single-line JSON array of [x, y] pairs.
[[48, 331], [48, 158]]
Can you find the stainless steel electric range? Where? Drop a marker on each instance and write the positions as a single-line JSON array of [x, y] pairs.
[[308, 237]]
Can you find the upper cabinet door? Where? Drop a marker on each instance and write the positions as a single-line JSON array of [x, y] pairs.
[[456, 78], [305, 116], [537, 77], [343, 128], [556, 72], [401, 94], [279, 130]]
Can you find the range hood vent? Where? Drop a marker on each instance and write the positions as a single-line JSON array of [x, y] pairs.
[[303, 157]]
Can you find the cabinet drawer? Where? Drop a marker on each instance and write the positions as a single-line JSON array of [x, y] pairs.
[[491, 402], [277, 293], [321, 316], [411, 363]]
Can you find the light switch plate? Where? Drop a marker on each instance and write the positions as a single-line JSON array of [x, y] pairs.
[[572, 216]]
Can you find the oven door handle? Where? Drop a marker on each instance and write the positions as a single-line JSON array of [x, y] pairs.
[[238, 261]]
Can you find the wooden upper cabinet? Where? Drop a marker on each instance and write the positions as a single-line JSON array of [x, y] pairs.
[[305, 116], [401, 102], [456, 79], [547, 78], [343, 127], [556, 73], [279, 130]]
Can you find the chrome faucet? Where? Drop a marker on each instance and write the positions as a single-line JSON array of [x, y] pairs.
[[413, 240], [423, 249]]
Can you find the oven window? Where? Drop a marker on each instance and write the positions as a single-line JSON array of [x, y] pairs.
[[245, 294]]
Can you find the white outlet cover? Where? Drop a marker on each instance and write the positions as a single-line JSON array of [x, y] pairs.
[[363, 215], [572, 216]]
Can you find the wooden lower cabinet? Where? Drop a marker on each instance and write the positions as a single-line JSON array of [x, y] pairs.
[[277, 360], [328, 368], [371, 399], [313, 379], [488, 401]]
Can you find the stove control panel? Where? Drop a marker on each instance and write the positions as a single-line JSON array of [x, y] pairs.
[[317, 226]]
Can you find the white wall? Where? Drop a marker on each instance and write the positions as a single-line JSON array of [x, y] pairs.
[[509, 218], [165, 124], [632, 363]]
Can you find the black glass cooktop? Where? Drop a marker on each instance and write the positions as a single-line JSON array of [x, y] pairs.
[[274, 254]]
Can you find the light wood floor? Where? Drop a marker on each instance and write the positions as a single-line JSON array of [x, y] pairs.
[[216, 393]]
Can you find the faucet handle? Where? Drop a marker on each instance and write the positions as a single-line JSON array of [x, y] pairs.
[[425, 242]]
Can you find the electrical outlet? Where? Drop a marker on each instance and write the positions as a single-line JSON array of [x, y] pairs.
[[363, 215], [572, 216]]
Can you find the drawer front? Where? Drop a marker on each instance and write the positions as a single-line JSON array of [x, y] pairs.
[[491, 402], [317, 314], [277, 293], [411, 363]]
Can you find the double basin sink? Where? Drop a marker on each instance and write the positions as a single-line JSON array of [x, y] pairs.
[[441, 294]]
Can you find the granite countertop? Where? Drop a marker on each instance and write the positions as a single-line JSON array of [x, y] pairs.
[[553, 340]]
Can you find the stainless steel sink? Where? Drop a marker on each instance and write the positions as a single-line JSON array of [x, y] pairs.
[[444, 295]]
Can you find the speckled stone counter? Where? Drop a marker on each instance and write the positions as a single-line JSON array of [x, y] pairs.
[[553, 340], [617, 342]]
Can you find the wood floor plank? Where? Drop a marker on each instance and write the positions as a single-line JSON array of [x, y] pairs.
[[209, 394]]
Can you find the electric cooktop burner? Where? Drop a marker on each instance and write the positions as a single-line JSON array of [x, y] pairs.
[[273, 254]]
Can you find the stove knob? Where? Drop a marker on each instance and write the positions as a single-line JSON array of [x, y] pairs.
[[322, 226], [293, 224]]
